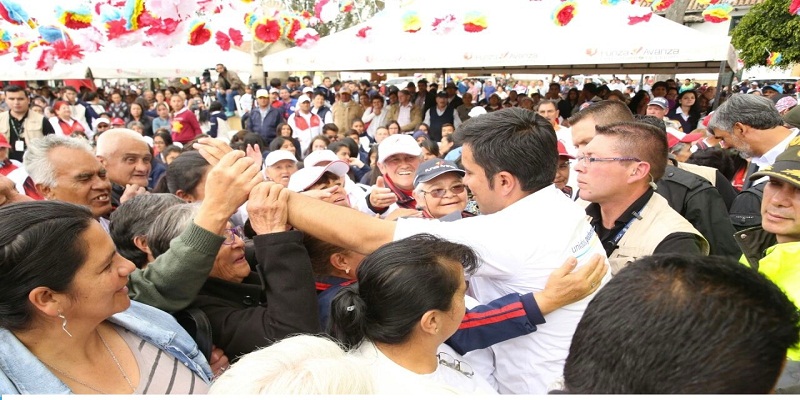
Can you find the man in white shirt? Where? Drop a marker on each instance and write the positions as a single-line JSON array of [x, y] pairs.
[[443, 113], [511, 193], [305, 124]]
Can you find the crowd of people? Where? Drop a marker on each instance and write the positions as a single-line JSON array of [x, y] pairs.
[[358, 239]]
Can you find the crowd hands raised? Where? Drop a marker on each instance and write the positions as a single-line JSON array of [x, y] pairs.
[[540, 254]]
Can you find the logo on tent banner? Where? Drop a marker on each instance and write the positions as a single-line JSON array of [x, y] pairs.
[[636, 52], [503, 56]]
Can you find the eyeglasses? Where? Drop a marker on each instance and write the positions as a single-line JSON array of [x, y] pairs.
[[449, 361], [586, 161], [439, 193], [232, 234]]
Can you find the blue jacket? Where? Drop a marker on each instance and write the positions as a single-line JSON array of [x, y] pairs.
[[265, 126], [22, 373]]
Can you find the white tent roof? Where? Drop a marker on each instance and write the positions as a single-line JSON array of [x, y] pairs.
[[133, 62], [521, 37]]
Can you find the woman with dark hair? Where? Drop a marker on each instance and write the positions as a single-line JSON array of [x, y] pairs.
[[638, 103], [137, 110], [358, 161], [394, 127], [372, 177], [319, 142], [285, 130], [283, 143], [430, 150], [570, 104], [686, 111], [67, 324], [397, 327], [185, 177], [161, 139]]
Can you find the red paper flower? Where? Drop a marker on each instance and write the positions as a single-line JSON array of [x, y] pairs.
[[794, 7], [565, 15], [46, 60], [363, 32], [199, 34], [223, 40], [635, 19], [236, 37], [116, 28], [268, 31], [67, 51], [293, 25]]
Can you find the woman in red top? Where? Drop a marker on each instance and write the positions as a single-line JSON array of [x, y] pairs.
[[64, 124], [185, 126]]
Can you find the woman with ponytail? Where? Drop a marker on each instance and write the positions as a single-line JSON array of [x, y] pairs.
[[408, 300]]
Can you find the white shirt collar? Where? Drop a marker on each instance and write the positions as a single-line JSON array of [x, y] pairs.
[[769, 157]]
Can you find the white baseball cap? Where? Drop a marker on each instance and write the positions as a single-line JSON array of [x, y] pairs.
[[398, 144], [316, 157], [476, 111], [278, 155], [308, 176], [303, 99], [262, 93], [308, 89]]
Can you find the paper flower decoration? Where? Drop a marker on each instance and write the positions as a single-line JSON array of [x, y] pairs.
[[178, 10], [157, 26], [267, 30], [250, 20], [346, 6], [326, 10], [707, 2], [236, 36], [411, 22], [46, 59], [794, 7], [610, 2], [51, 34], [444, 25], [5, 42], [198, 33], [90, 39], [306, 37], [565, 12], [364, 33], [133, 9], [309, 18], [15, 14], [661, 5], [223, 40], [474, 21], [67, 52], [635, 19], [22, 48], [291, 25], [774, 59], [718, 12], [77, 18]]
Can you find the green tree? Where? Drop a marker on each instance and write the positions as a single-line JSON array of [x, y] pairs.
[[768, 27], [362, 10]]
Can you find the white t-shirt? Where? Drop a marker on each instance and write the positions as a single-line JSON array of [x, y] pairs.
[[391, 378], [519, 247]]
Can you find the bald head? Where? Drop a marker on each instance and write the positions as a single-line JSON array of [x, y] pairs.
[[125, 155]]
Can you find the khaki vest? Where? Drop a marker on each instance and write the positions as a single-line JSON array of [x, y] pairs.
[[710, 174], [343, 116], [32, 126], [658, 221]]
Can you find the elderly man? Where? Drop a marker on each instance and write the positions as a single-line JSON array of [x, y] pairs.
[[659, 107], [615, 173], [442, 113], [405, 112], [20, 124], [279, 166], [127, 159], [345, 110], [230, 86], [440, 191], [66, 169], [752, 125], [398, 160], [682, 325]]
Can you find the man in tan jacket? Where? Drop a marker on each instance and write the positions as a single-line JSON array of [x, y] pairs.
[[20, 124], [345, 110], [406, 113]]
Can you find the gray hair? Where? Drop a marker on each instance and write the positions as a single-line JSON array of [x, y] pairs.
[[134, 218], [37, 162], [135, 124], [107, 142], [172, 223], [754, 111], [548, 101]]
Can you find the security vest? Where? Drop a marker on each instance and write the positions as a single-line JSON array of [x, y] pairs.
[[658, 220], [32, 126]]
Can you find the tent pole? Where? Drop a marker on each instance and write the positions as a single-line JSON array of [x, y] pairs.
[[444, 78], [641, 82], [719, 82]]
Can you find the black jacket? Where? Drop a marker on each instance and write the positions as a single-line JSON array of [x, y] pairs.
[[701, 204], [746, 208], [754, 242], [278, 300]]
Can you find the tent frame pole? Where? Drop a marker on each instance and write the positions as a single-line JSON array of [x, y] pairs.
[[719, 82]]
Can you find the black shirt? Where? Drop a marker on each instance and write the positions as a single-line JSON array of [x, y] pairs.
[[677, 242]]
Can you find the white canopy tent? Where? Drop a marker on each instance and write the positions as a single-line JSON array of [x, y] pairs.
[[133, 62], [520, 37]]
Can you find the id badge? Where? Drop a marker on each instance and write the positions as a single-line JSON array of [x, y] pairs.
[[19, 145]]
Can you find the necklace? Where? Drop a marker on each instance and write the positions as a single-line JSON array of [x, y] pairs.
[[113, 356]]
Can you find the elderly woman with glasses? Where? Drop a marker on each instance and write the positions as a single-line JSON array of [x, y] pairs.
[[439, 190], [251, 309]]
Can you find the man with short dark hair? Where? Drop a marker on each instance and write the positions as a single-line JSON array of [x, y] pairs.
[[682, 325], [231, 87], [265, 116], [405, 112], [20, 124], [443, 113], [424, 98], [616, 172]]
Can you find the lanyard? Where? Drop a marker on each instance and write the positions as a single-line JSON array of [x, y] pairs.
[[637, 215]]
